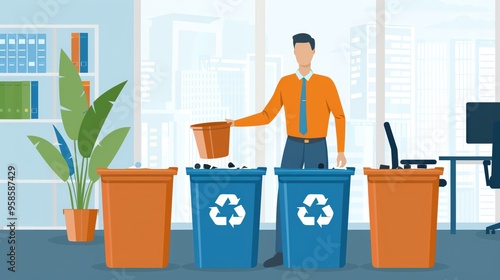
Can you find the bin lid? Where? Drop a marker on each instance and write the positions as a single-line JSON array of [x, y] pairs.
[[314, 171], [227, 171]]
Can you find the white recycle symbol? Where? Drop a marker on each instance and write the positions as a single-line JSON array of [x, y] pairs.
[[322, 220], [234, 220]]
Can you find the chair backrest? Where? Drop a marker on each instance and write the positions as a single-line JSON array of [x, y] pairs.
[[495, 162], [392, 144]]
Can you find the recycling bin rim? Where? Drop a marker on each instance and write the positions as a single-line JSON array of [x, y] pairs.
[[313, 171], [136, 174], [226, 171], [403, 172]]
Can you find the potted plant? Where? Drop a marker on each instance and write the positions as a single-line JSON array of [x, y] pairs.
[[77, 165]]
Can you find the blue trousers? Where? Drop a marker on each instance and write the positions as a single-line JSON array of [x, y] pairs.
[[298, 154]]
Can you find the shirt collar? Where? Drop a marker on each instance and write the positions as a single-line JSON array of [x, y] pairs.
[[308, 76]]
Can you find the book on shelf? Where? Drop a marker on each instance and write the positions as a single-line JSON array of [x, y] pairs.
[[86, 89], [25, 100], [22, 50], [34, 99], [32, 53], [10, 93], [75, 50], [84, 52], [80, 51], [41, 66], [17, 100], [2, 99], [11, 53], [3, 53]]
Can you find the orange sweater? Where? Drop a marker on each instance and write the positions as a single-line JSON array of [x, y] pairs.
[[321, 99]]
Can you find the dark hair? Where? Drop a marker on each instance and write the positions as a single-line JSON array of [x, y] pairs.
[[303, 38]]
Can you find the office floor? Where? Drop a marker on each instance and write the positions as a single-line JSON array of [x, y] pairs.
[[48, 255]]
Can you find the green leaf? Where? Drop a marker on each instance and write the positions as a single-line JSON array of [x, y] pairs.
[[105, 151], [94, 119], [52, 157], [71, 97]]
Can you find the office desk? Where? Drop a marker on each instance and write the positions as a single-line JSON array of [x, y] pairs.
[[453, 184]]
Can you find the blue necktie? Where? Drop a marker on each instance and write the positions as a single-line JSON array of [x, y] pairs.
[[303, 114]]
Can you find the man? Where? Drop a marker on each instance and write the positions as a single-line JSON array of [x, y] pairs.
[[308, 100]]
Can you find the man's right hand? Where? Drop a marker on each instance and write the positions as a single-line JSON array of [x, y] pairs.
[[230, 122]]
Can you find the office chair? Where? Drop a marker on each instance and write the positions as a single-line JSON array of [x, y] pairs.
[[493, 181], [421, 163]]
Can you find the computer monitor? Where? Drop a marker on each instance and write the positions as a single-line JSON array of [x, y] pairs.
[[480, 119]]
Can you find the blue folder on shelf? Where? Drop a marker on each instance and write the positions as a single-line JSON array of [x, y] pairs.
[[22, 51], [34, 99], [3, 53], [12, 53], [41, 53], [32, 55], [84, 52]]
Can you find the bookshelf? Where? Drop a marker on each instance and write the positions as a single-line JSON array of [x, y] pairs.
[[28, 121], [29, 75], [58, 36]]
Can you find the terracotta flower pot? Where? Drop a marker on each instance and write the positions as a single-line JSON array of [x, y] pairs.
[[80, 224], [212, 139]]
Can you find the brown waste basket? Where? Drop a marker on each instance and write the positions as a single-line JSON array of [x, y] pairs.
[[137, 206], [403, 216], [212, 139]]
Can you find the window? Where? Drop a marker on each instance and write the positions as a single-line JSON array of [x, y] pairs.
[[199, 65], [197, 59], [449, 60]]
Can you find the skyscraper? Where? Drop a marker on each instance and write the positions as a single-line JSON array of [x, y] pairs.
[[399, 83], [154, 119], [473, 63], [177, 42], [275, 133], [360, 151], [432, 116], [485, 51], [399, 69], [200, 94], [450, 74]]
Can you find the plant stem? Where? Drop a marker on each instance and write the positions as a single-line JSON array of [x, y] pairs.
[[77, 177], [84, 175], [71, 196], [82, 185], [91, 186], [73, 188]]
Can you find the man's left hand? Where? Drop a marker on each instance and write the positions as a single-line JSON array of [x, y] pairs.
[[341, 160]]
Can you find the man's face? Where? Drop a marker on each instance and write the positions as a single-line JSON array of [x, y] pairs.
[[303, 53]]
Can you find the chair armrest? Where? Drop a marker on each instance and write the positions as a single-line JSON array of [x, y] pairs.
[[486, 172], [442, 183], [418, 161]]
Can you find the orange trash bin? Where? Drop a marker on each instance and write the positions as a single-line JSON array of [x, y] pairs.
[[137, 205], [403, 216]]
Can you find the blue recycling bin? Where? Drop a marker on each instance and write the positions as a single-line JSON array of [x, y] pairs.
[[314, 211], [226, 216]]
